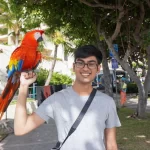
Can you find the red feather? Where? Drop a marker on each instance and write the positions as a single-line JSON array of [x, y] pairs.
[[24, 58]]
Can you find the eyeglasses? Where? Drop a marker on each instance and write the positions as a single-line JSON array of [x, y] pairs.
[[90, 65]]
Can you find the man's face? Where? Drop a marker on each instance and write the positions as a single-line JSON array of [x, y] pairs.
[[86, 69]]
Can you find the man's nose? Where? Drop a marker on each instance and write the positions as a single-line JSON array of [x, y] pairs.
[[86, 66]]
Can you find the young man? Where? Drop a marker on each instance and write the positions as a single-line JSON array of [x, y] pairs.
[[97, 129]]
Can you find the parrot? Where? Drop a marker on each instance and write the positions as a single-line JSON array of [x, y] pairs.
[[24, 58]]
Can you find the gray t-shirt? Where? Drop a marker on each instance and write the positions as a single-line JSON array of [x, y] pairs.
[[64, 107]]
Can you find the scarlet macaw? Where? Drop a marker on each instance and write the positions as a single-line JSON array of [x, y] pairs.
[[24, 58]]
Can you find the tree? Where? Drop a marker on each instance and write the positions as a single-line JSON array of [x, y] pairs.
[[11, 17], [16, 20], [115, 22], [77, 28], [58, 39], [125, 12]]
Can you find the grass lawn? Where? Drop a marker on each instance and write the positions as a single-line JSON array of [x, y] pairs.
[[134, 134]]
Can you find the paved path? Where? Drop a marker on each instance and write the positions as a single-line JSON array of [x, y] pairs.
[[44, 137], [132, 103]]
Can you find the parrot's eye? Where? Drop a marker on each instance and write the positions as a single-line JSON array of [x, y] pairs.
[[37, 35]]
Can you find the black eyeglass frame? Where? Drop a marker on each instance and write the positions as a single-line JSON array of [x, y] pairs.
[[85, 64]]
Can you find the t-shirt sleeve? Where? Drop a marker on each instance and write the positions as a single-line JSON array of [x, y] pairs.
[[45, 110], [112, 118]]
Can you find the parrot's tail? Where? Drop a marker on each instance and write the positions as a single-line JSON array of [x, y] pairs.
[[8, 93]]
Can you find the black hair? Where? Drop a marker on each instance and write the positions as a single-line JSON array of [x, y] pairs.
[[87, 51]]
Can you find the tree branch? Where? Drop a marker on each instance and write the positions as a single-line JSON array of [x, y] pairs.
[[147, 78], [148, 3], [136, 2], [98, 27], [110, 46], [121, 14], [100, 5], [118, 25], [127, 54], [96, 1], [140, 21], [139, 24], [144, 32]]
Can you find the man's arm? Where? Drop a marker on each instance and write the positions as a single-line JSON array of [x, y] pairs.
[[23, 122], [110, 139]]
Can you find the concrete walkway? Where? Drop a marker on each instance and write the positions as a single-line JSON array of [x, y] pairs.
[[44, 137], [132, 103]]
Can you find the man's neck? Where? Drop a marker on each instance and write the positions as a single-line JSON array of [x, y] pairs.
[[82, 89]]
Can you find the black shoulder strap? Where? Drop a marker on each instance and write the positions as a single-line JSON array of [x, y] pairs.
[[78, 120]]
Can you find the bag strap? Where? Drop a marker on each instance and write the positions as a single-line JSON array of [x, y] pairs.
[[79, 118]]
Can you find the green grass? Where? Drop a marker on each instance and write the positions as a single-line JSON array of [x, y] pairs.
[[13, 102], [134, 134]]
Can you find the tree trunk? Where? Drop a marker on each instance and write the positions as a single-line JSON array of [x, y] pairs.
[[107, 80], [10, 38], [147, 78], [52, 67], [143, 91], [16, 39], [17, 34], [142, 100]]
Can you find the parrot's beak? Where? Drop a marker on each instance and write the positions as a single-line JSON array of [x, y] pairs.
[[40, 39]]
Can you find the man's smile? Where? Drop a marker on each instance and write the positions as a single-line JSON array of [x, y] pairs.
[[85, 74]]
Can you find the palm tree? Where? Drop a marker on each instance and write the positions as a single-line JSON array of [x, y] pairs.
[[58, 39], [11, 15]]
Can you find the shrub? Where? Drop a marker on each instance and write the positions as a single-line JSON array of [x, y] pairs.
[[42, 76], [132, 88], [57, 78]]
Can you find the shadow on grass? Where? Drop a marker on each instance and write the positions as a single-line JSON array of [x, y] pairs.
[[134, 134]]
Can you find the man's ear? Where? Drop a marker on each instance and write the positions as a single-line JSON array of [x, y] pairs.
[[98, 68], [73, 67]]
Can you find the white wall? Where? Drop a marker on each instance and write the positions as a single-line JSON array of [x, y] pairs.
[[61, 66]]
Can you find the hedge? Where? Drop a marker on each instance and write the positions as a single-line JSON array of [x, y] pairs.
[[132, 88], [57, 78]]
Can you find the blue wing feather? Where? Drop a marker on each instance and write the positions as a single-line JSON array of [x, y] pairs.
[[15, 68], [10, 72], [20, 63]]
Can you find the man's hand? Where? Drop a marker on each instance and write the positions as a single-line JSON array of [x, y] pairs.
[[110, 139], [27, 78]]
